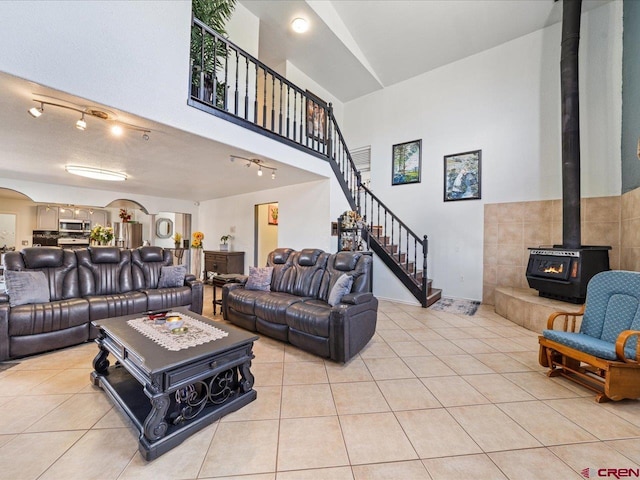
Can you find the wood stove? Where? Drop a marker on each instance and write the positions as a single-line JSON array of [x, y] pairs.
[[563, 273]]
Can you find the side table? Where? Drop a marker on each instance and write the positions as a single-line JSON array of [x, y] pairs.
[[218, 281]]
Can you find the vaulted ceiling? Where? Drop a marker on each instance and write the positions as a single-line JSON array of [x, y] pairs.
[[353, 47]]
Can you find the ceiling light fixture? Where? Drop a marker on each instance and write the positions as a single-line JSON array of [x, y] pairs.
[[299, 25], [96, 173], [36, 112], [117, 127], [255, 161], [81, 124]]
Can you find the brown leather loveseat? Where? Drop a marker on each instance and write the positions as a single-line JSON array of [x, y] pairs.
[[295, 306], [84, 285]]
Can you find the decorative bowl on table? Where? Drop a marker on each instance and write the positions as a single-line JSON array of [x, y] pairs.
[[173, 321]]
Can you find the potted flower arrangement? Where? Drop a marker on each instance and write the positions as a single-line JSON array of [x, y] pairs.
[[177, 238], [124, 215], [224, 246], [101, 235]]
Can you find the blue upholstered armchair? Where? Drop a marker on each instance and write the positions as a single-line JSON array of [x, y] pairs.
[[603, 354]]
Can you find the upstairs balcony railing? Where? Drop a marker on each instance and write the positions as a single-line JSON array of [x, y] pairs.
[[228, 82]]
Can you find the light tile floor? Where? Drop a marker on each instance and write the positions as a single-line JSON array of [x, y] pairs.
[[433, 396]]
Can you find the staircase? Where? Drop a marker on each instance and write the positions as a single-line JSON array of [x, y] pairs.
[[229, 83]]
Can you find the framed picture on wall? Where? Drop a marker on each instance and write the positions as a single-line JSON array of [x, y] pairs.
[[462, 176], [272, 218], [406, 163], [316, 117]]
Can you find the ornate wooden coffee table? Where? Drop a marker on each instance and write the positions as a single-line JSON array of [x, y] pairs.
[[168, 394]]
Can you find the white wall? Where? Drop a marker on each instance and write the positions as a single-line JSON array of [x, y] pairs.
[[304, 219], [302, 80], [506, 102]]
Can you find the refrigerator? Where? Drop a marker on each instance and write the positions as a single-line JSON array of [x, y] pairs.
[[127, 234]]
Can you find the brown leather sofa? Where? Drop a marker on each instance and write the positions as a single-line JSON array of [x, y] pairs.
[[296, 309], [84, 285]]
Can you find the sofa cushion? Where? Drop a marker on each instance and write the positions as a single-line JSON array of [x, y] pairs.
[[161, 298], [48, 317], [587, 344], [340, 288], [104, 271], [26, 287], [43, 257], [116, 305], [311, 316], [259, 278], [272, 306], [243, 300], [172, 276]]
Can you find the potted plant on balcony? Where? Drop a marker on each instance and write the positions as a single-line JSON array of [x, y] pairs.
[[224, 245], [207, 54]]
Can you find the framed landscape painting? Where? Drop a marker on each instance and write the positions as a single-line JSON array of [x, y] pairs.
[[407, 162], [316, 117], [462, 172]]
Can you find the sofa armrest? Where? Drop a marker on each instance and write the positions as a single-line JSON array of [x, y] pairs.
[[565, 315], [4, 330], [356, 298], [197, 293], [226, 288], [621, 342]]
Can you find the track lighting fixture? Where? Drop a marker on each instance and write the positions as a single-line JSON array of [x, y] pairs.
[[36, 112], [81, 124], [117, 127], [255, 161]]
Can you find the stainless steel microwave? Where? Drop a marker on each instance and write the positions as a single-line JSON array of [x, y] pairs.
[[74, 226]]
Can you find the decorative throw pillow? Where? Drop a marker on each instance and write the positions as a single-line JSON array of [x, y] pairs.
[[259, 278], [172, 276], [26, 287], [340, 289]]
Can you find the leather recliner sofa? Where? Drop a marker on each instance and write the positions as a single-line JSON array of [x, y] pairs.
[[296, 309], [85, 285]]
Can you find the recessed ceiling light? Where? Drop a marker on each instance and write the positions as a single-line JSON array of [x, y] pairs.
[[96, 173], [299, 25], [116, 130]]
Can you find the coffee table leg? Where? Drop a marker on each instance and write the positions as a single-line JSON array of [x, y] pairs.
[[246, 383], [155, 426], [100, 363]]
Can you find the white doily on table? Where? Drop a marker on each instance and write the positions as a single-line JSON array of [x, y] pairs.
[[197, 333]]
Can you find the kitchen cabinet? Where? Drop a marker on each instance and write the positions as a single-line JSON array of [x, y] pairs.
[[99, 217], [46, 218], [67, 213]]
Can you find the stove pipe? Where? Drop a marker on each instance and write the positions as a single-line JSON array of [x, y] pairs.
[[571, 235]]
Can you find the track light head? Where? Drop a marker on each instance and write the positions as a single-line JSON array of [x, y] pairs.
[[273, 175], [81, 124], [145, 136], [36, 112], [259, 171]]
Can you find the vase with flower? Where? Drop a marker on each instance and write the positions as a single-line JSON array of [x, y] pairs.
[[196, 244], [124, 215], [177, 238]]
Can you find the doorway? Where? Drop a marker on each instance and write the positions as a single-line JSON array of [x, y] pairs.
[[266, 232]]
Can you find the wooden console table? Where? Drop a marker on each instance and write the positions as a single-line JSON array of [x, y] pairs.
[[223, 262]]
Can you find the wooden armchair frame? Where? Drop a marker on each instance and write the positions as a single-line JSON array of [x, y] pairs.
[[611, 380]]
